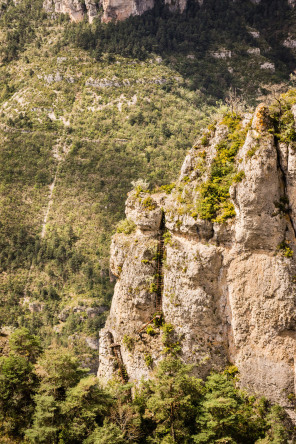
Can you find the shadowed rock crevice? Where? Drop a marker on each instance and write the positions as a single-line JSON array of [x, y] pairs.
[[284, 179]]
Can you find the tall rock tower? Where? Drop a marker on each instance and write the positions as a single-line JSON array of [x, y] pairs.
[[208, 272]]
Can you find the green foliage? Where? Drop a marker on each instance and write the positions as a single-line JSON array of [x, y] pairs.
[[158, 320], [284, 249], [227, 414], [100, 150], [126, 226], [140, 187], [23, 343], [167, 188], [95, 159], [63, 404], [152, 287], [46, 424], [107, 434], [23, 19], [231, 370], [85, 405], [169, 339], [252, 151], [150, 330], [239, 177], [167, 238], [69, 404], [197, 32], [171, 399], [288, 133], [148, 360], [227, 212], [277, 433], [205, 139], [128, 342], [214, 203], [283, 119], [98, 140], [167, 330], [232, 121], [18, 382], [148, 203]]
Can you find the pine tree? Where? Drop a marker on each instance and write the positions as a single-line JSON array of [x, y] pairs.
[[109, 433], [69, 404], [172, 401], [18, 382], [85, 406], [23, 343]]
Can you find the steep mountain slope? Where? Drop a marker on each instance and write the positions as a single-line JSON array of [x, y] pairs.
[[74, 134], [208, 271], [87, 109]]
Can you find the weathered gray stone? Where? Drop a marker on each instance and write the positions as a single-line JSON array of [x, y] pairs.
[[228, 291], [75, 8]]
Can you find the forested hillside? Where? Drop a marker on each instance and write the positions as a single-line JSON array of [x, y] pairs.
[[85, 110]]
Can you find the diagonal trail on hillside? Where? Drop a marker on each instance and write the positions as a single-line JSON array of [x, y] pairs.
[[60, 159]]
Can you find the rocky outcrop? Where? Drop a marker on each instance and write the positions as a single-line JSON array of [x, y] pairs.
[[77, 9], [121, 9], [112, 9], [228, 291]]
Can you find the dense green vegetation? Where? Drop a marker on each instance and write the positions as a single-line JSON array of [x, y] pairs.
[[20, 23], [95, 141], [214, 202], [46, 397], [187, 42]]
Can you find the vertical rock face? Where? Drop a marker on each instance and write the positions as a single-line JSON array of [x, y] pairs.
[[112, 9], [228, 288], [121, 9], [77, 9]]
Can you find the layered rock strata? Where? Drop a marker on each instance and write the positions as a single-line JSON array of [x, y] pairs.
[[228, 288]]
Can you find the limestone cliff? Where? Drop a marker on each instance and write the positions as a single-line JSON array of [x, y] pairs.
[[112, 9], [77, 9], [224, 280], [122, 9]]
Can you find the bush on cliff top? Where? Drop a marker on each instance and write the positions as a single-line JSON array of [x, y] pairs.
[[214, 202]]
